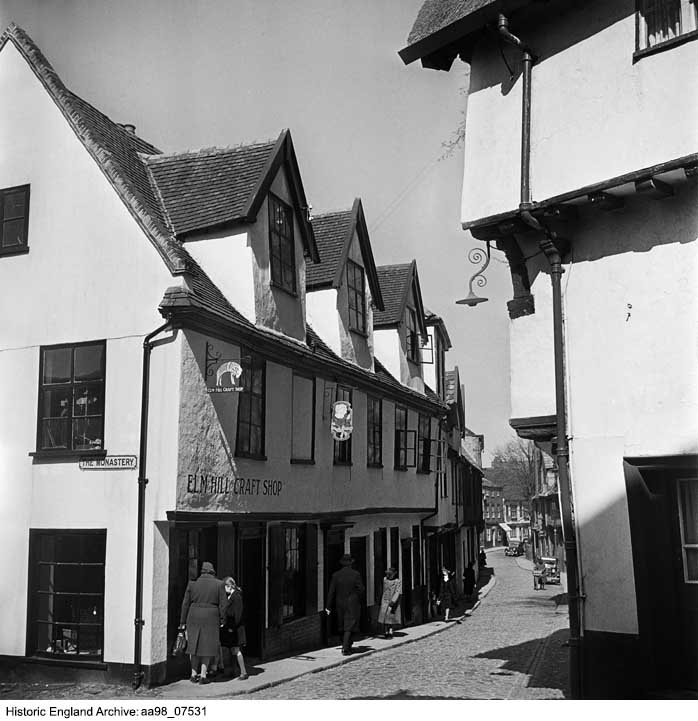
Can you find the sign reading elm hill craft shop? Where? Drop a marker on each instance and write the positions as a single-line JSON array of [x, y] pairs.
[[226, 371], [212, 485]]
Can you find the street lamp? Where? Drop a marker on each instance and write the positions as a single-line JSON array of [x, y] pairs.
[[475, 256]]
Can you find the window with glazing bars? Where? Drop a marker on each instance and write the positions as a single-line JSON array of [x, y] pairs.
[[281, 245], [251, 407], [405, 441], [71, 397], [356, 286], [66, 614], [14, 219], [374, 431], [688, 518], [342, 449], [659, 21], [412, 336], [424, 444], [293, 583]]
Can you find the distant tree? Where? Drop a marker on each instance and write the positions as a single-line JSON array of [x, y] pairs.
[[520, 458]]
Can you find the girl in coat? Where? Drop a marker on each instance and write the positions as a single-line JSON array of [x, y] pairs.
[[390, 613], [447, 593], [202, 615], [233, 631]]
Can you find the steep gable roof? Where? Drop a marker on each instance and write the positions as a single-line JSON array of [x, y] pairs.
[[454, 398], [334, 233], [114, 149], [395, 282], [223, 187]]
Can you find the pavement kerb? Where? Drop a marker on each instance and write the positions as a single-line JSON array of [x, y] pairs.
[[425, 630]]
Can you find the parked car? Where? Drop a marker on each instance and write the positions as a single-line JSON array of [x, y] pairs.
[[552, 568], [517, 550]]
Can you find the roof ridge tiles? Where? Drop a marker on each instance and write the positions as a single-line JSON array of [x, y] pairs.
[[207, 151]]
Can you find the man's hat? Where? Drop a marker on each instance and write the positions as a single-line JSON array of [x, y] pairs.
[[346, 560], [207, 567]]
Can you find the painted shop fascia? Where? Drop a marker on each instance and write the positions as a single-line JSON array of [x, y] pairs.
[[618, 206]]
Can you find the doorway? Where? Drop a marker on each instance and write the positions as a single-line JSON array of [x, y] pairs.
[[252, 555], [357, 550], [407, 578], [333, 550]]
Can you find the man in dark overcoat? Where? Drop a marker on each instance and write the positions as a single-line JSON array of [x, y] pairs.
[[346, 591]]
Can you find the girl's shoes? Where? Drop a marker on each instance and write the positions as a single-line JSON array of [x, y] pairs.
[[243, 677], [195, 678]]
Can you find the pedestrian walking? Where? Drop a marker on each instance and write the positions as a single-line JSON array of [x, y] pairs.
[[482, 558], [232, 633], [539, 573], [390, 613], [469, 580], [345, 592], [447, 593], [203, 612]]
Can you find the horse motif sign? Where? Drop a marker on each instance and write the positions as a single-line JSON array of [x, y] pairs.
[[342, 420], [225, 369]]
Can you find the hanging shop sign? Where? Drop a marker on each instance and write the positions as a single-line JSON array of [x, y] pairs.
[[342, 423], [109, 463], [222, 374]]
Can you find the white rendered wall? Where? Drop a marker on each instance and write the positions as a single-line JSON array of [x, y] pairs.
[[587, 95], [228, 261], [321, 309], [386, 344], [90, 274]]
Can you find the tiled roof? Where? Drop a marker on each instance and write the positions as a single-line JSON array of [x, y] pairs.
[[434, 15], [331, 231], [211, 187], [394, 280], [114, 148]]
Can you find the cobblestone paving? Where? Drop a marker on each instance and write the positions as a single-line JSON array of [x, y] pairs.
[[510, 648]]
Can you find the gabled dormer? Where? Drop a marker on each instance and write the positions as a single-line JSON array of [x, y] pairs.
[[434, 354], [455, 399], [399, 331], [343, 288], [242, 215]]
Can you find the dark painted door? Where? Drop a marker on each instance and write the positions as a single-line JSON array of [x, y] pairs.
[[407, 579], [253, 593], [333, 550], [357, 550]]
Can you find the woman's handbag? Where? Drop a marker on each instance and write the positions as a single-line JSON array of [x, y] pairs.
[[180, 644]]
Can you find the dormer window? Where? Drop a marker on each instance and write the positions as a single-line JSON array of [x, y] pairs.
[[282, 256], [356, 286], [14, 220], [412, 336]]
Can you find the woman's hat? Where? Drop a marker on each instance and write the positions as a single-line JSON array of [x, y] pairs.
[[207, 567], [346, 560]]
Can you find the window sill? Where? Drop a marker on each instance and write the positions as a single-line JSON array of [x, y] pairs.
[[358, 331], [70, 662], [22, 250], [59, 456], [399, 468], [666, 45], [374, 465], [342, 463], [302, 462], [283, 288], [423, 473], [252, 456]]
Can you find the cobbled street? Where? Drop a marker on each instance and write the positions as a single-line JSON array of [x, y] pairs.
[[510, 648]]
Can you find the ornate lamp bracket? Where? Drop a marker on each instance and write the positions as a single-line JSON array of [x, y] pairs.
[[476, 256]]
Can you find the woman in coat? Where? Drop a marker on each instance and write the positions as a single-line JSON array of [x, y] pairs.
[[469, 580], [233, 631], [390, 613], [447, 593], [203, 613]]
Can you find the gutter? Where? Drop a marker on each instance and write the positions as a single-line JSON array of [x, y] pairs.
[[551, 247], [139, 622]]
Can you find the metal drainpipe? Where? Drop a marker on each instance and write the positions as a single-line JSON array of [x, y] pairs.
[[142, 482], [550, 249]]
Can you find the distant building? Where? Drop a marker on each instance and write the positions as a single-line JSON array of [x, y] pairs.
[[495, 531]]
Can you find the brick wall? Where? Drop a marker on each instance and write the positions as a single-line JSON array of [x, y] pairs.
[[301, 634]]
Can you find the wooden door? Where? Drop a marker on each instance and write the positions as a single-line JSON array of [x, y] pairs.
[[406, 576], [252, 563], [357, 550]]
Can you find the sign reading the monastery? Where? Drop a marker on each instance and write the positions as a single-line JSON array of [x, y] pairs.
[[227, 373], [111, 463], [204, 483], [342, 425]]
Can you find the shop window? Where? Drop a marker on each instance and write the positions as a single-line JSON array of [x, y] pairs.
[[342, 449], [412, 336], [662, 23], [251, 407], [356, 286], [14, 220], [66, 616], [293, 587], [303, 425], [405, 441], [374, 431], [71, 398], [688, 515], [282, 256], [424, 444]]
